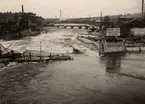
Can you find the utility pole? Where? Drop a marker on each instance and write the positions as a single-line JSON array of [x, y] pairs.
[[142, 9], [101, 15], [101, 20]]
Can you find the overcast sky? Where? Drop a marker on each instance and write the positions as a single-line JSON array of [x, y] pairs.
[[72, 8]]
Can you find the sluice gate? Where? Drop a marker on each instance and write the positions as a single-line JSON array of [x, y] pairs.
[[111, 47]]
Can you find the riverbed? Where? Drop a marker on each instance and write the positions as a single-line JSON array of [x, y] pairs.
[[88, 79]]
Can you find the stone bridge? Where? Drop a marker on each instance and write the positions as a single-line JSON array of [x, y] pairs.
[[80, 26]]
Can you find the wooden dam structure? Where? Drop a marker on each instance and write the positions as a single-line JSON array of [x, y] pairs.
[[7, 55], [13, 57]]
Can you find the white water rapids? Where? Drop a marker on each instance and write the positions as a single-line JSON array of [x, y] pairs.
[[57, 41]]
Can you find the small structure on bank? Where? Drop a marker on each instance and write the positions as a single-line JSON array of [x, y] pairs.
[[131, 33], [111, 43], [7, 55], [134, 35]]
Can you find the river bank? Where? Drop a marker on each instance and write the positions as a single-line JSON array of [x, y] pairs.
[[20, 34]]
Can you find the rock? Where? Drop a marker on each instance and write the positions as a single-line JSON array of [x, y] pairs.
[[2, 65], [12, 64]]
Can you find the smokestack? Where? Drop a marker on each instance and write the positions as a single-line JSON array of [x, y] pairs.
[[60, 13], [22, 9], [142, 9], [101, 14]]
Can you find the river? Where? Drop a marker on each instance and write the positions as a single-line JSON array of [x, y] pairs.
[[88, 79]]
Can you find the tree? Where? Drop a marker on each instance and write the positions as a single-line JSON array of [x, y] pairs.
[[106, 21]]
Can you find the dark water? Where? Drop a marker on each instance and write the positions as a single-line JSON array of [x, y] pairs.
[[89, 79]]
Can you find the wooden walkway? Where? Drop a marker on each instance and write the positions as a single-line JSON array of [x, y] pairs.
[[35, 58]]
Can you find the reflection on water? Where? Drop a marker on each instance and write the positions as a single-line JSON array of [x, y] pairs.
[[112, 63], [14, 83]]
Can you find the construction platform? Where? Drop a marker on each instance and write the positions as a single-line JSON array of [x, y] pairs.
[[34, 58], [7, 55]]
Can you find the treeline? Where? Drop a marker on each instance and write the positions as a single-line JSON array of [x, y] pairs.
[[18, 16], [12, 24]]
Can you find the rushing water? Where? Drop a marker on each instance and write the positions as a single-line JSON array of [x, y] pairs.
[[88, 79]]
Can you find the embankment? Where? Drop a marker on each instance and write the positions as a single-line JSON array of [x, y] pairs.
[[19, 35]]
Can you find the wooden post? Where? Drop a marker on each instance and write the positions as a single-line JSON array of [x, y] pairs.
[[50, 55], [30, 56], [23, 56], [140, 49], [40, 51]]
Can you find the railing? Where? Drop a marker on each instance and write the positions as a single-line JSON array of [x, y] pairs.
[[36, 58]]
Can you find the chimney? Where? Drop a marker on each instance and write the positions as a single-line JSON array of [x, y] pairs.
[[142, 9], [22, 9]]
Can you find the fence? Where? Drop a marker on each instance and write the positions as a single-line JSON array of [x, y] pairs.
[[35, 58]]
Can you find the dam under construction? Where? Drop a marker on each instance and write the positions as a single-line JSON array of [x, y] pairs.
[[82, 56], [88, 79]]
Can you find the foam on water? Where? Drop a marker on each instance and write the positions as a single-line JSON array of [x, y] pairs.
[[58, 41]]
